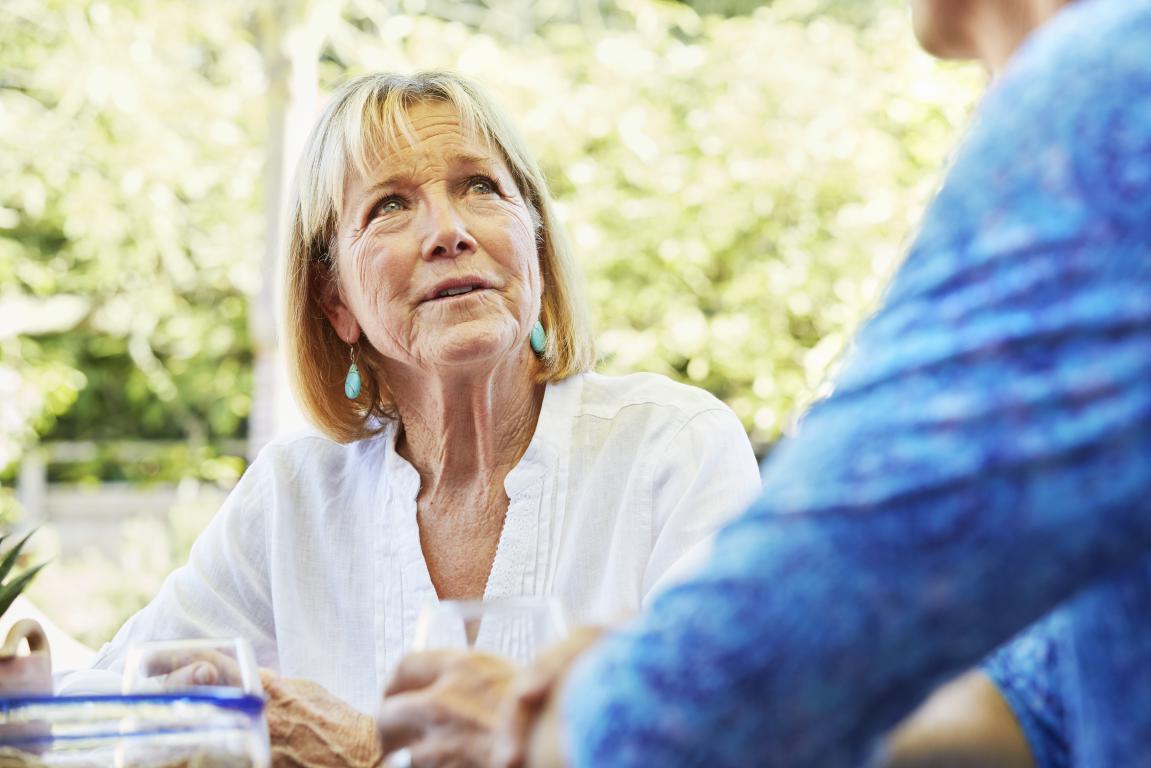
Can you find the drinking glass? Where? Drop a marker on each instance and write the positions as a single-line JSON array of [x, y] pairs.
[[517, 628], [222, 729], [189, 665]]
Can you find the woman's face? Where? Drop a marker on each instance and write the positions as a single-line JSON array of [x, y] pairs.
[[943, 27], [437, 258]]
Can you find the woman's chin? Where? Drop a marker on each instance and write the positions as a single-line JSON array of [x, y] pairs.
[[479, 347]]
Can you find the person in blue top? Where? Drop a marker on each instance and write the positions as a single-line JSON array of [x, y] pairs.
[[984, 462]]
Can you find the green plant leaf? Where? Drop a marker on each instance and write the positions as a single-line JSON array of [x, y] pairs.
[[10, 591], [13, 554]]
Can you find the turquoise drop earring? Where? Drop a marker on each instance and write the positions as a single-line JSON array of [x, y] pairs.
[[539, 338], [352, 380]]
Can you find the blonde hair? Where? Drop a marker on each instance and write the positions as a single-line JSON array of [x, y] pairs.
[[367, 117]]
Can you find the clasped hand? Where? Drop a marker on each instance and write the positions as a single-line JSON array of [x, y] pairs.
[[457, 709], [444, 707], [308, 726]]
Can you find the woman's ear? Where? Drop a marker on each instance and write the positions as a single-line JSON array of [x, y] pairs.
[[343, 322]]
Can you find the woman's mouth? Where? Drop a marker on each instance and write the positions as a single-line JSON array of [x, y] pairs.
[[453, 289], [460, 291]]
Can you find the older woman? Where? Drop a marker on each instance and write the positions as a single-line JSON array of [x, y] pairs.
[[441, 345], [985, 459]]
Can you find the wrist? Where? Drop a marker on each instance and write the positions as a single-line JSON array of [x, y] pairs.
[[363, 743]]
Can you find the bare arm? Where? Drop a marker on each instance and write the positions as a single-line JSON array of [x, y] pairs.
[[964, 724]]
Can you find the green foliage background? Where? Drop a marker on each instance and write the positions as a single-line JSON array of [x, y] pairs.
[[129, 223], [738, 188], [739, 182]]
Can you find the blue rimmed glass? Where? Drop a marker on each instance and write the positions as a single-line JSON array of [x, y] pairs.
[[223, 728]]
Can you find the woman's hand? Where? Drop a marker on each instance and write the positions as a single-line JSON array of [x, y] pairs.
[[529, 729], [181, 669], [443, 707], [309, 727]]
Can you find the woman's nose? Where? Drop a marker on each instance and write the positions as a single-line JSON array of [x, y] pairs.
[[446, 234]]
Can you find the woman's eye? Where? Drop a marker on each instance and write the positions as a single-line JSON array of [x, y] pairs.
[[388, 205], [482, 185]]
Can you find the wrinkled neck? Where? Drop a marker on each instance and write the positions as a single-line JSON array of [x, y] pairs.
[[468, 428]]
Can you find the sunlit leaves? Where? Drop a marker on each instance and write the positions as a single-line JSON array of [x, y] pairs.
[[130, 176], [737, 188]]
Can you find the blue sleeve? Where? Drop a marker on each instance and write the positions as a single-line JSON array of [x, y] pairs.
[[986, 453], [1026, 672]]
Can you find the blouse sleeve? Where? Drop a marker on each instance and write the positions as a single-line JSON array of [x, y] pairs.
[[704, 477], [986, 453], [222, 591], [1026, 672]]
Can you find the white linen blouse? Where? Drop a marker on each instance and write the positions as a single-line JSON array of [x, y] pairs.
[[315, 556]]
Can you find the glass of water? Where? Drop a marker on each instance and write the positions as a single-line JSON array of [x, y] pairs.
[[517, 628], [188, 665]]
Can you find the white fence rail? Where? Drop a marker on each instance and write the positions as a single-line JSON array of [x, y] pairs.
[[90, 517]]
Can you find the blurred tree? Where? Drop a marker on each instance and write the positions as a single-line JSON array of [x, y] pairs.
[[737, 188], [855, 12], [129, 169]]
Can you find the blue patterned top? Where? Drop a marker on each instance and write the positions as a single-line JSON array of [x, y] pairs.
[[1027, 672], [985, 459]]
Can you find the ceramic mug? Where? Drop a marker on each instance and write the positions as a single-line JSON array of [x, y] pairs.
[[29, 674]]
